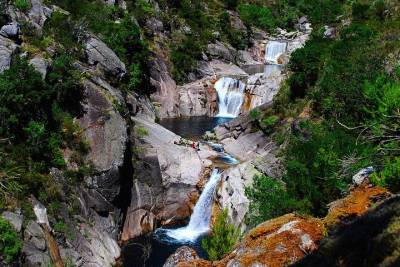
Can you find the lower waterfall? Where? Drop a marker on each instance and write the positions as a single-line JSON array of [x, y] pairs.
[[199, 223], [230, 97]]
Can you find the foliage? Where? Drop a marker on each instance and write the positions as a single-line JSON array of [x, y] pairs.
[[184, 57], [36, 131], [10, 243], [22, 4], [305, 64], [3, 15], [223, 237], [255, 15], [389, 176], [317, 164], [268, 199], [141, 131]]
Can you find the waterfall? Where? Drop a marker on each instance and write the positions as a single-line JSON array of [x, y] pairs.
[[274, 50], [230, 97], [199, 223]]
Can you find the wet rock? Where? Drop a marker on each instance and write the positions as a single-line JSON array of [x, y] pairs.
[[222, 69], [137, 223], [102, 56], [197, 98], [231, 192], [15, 219], [166, 175], [182, 254], [7, 50]]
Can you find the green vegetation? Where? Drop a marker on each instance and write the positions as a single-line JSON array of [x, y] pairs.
[[223, 237], [257, 15], [352, 99], [32, 131], [10, 244], [268, 199], [118, 29], [22, 4]]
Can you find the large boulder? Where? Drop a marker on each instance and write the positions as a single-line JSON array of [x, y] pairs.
[[370, 240], [219, 50], [106, 132], [277, 242], [15, 219], [7, 50], [182, 254], [10, 30], [100, 55], [166, 177], [198, 98], [231, 194]]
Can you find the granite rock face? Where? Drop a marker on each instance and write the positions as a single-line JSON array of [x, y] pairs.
[[166, 178], [100, 55], [7, 50], [106, 132]]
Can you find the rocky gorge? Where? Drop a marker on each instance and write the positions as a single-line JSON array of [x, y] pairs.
[[144, 177]]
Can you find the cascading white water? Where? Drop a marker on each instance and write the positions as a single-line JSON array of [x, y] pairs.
[[230, 97], [199, 223], [274, 50]]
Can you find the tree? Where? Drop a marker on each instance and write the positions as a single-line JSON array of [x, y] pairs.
[[223, 237], [268, 199]]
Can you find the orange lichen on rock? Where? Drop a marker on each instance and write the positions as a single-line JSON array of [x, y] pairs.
[[277, 242], [355, 204], [195, 263]]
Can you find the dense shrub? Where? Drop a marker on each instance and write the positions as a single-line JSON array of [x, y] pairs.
[[256, 15], [34, 116], [224, 236], [10, 243], [320, 160], [305, 64], [268, 199]]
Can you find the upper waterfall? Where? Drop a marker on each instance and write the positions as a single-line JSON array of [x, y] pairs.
[[199, 223], [230, 96], [274, 50]]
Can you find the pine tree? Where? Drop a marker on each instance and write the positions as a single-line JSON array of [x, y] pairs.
[[223, 237]]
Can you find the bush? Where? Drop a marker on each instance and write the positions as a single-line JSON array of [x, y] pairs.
[[255, 15], [223, 237], [268, 199], [317, 169], [10, 243], [22, 4], [389, 176]]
